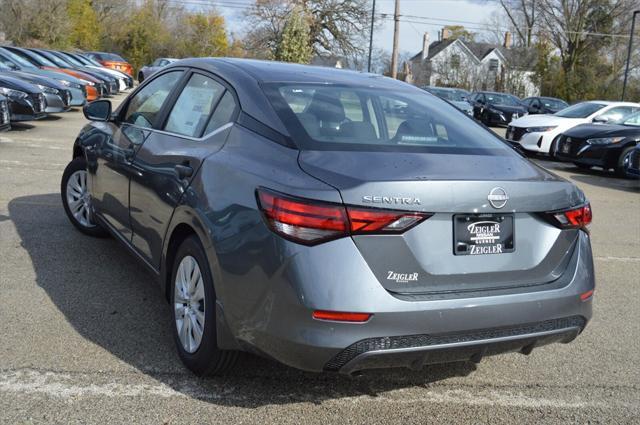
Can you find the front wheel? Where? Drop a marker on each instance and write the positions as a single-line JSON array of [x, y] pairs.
[[76, 198], [193, 303], [623, 163], [140, 77]]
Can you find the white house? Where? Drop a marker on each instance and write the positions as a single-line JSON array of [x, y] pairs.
[[454, 62]]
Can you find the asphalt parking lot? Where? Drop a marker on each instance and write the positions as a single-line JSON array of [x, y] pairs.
[[86, 334]]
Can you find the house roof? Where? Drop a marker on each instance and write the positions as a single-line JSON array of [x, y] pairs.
[[519, 57]]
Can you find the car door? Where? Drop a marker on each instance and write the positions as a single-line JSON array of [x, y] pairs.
[[114, 155], [193, 128], [478, 106]]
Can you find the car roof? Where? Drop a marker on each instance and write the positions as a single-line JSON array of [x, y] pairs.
[[247, 75], [271, 72], [611, 102]]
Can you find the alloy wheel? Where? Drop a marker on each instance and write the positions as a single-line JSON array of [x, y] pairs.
[[79, 198], [189, 304]]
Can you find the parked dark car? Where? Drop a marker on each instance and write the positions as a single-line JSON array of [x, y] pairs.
[[56, 94], [147, 70], [544, 105], [5, 114], [287, 211], [496, 109], [458, 97], [94, 87], [601, 145], [26, 101], [76, 87], [111, 84], [633, 167]]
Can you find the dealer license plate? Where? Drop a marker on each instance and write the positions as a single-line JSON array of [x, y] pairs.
[[481, 234]]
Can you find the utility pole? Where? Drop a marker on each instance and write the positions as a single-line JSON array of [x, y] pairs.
[[626, 71], [373, 19], [396, 31]]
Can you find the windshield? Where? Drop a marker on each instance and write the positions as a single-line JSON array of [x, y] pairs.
[[632, 120], [43, 60], [72, 60], [502, 99], [552, 103], [4, 67], [451, 95], [17, 59], [91, 60], [59, 62], [322, 117], [580, 110]]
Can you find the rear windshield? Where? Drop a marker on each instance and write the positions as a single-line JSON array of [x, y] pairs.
[[332, 117], [550, 102], [502, 99], [110, 57], [452, 95], [580, 110]]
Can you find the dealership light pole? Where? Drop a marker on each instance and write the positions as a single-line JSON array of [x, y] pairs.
[[626, 71], [373, 19]]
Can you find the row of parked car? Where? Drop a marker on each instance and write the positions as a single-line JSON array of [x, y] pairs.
[[38, 82], [589, 134]]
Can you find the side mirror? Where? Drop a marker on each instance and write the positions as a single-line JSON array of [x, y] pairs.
[[98, 110], [601, 120]]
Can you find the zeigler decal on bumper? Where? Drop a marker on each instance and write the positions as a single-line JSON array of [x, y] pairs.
[[402, 277]]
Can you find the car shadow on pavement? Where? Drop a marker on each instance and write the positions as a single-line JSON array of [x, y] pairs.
[[111, 301], [607, 180], [21, 126]]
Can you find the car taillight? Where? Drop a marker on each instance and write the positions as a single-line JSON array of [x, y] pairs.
[[574, 218], [310, 222]]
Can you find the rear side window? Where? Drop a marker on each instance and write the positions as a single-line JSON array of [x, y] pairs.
[[367, 118], [223, 114], [145, 105], [193, 108]]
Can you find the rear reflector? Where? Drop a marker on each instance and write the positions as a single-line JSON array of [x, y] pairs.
[[337, 316], [575, 218], [311, 222], [586, 295]]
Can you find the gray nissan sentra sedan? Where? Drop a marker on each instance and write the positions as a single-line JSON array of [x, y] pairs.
[[331, 220]]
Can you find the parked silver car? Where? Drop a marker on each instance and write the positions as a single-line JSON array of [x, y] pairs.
[[148, 70], [330, 219]]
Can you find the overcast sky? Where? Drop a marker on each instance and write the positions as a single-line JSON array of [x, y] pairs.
[[438, 12]]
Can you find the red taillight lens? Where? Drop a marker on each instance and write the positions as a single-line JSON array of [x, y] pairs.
[[575, 218], [310, 222], [337, 316]]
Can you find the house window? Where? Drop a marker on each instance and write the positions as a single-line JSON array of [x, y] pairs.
[[455, 61], [493, 64]]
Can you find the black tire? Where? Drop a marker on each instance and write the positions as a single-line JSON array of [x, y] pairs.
[[140, 78], [92, 229], [485, 119], [582, 166], [207, 359], [623, 159]]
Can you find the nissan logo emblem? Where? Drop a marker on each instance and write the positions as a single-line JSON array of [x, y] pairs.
[[498, 197]]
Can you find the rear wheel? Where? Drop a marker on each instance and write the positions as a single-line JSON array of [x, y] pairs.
[[76, 198], [193, 303], [623, 162], [140, 77]]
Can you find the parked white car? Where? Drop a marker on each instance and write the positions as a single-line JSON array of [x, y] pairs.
[[537, 133]]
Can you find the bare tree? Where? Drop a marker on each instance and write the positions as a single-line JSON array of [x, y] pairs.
[[523, 15], [335, 26]]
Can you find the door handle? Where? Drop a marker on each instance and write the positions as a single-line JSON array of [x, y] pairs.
[[183, 171]]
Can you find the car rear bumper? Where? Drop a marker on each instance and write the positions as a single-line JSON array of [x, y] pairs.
[[401, 333]]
